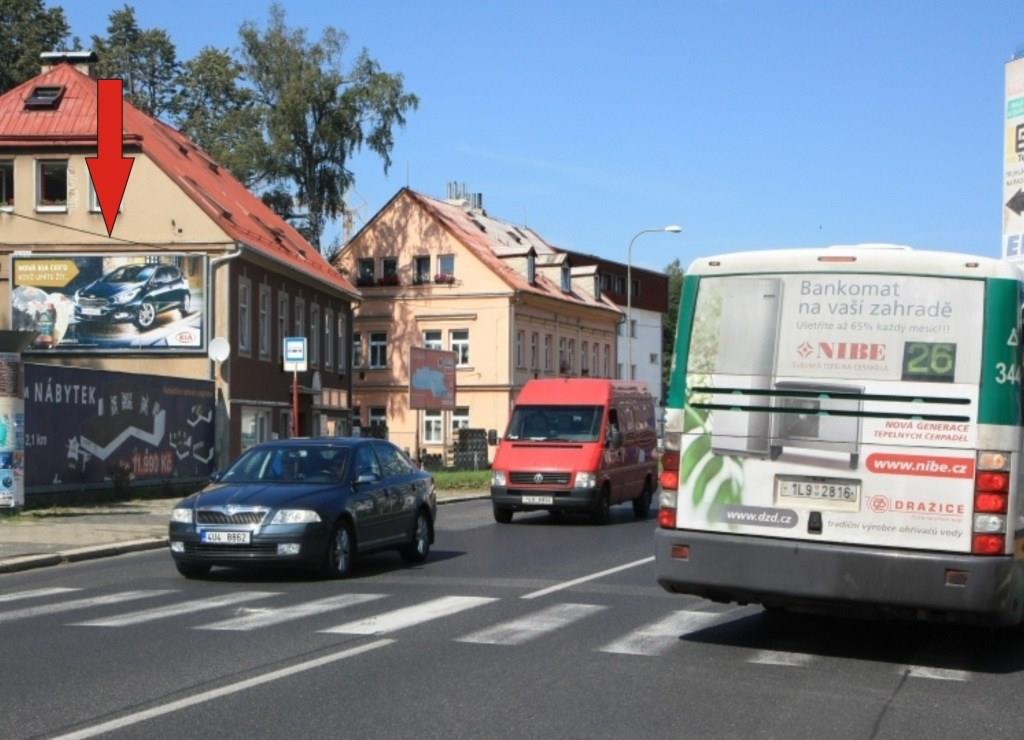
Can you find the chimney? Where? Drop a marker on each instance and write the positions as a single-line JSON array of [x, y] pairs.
[[83, 61]]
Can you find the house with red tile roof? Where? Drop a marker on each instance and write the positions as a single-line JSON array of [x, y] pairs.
[[444, 274], [249, 276]]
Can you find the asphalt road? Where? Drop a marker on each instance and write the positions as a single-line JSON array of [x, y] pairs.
[[495, 636]]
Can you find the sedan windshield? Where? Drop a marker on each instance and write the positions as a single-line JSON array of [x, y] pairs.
[[289, 464], [556, 423], [130, 274]]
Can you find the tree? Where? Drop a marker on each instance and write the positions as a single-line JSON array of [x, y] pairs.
[[214, 109], [146, 60], [317, 114], [674, 271], [27, 28]]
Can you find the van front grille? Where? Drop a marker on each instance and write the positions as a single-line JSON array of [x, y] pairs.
[[546, 479]]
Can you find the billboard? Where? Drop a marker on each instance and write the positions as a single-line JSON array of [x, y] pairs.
[[431, 379], [1013, 162], [92, 427], [111, 302]]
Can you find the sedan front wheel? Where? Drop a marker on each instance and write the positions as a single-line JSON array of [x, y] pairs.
[[340, 551]]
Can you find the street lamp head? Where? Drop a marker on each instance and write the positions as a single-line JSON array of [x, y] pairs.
[[673, 229]]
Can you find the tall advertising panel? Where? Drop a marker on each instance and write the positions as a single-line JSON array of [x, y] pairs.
[[76, 303], [431, 379], [1013, 162]]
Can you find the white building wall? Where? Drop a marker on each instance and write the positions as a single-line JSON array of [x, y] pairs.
[[646, 346]]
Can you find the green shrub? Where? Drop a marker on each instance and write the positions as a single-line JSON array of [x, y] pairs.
[[462, 480]]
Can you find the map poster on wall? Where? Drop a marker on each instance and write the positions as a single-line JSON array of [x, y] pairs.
[[431, 379]]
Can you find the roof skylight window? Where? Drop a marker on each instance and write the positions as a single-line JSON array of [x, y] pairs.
[[45, 97]]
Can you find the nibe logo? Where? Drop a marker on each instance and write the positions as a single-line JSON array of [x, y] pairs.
[[842, 351]]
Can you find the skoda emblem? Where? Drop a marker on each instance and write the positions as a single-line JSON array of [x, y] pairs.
[[230, 510], [538, 478]]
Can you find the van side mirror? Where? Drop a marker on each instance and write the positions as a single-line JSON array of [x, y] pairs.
[[492, 437], [614, 438]]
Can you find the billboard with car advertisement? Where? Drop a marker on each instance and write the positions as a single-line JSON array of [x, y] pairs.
[[111, 302], [87, 427]]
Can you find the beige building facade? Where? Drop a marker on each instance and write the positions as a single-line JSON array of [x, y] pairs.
[[443, 274]]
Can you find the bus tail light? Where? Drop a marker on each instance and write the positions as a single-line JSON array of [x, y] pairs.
[[670, 470], [669, 489], [991, 500]]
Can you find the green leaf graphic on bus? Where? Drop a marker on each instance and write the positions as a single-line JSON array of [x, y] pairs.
[[714, 480]]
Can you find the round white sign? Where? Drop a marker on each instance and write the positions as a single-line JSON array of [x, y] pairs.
[[220, 349]]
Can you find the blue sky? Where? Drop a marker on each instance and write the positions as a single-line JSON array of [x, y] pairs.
[[750, 124]]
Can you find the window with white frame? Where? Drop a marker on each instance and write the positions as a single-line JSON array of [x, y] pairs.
[[596, 366], [94, 201], [584, 359], [52, 185], [328, 339], [460, 419], [534, 337], [571, 356], [618, 371], [378, 349], [282, 323], [342, 349], [520, 341], [264, 322], [432, 427], [244, 316], [547, 352], [446, 266], [357, 349], [6, 185], [314, 334], [460, 345], [378, 416], [300, 317], [566, 279], [432, 339]]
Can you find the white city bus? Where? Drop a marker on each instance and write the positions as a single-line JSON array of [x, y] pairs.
[[844, 430]]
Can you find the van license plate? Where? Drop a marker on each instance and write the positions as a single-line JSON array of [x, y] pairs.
[[225, 538], [542, 500]]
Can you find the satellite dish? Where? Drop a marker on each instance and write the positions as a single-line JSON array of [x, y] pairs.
[[220, 349]]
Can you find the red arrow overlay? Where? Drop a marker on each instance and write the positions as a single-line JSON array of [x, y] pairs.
[[109, 170]]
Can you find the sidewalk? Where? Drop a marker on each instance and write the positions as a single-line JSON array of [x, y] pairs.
[[42, 537]]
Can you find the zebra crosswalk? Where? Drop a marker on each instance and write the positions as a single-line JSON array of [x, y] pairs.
[[246, 611]]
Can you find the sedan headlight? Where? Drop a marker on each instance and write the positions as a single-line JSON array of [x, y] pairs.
[[295, 516], [498, 478], [585, 480], [128, 295], [182, 516]]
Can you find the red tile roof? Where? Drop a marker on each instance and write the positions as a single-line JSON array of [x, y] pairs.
[[487, 243], [242, 215]]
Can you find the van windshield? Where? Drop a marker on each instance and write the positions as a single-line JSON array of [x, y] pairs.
[[556, 423]]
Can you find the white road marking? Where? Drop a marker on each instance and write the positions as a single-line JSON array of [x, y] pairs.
[[660, 636], [518, 631], [36, 593], [781, 657], [410, 615], [161, 612], [190, 701], [938, 674], [584, 579], [67, 606], [269, 617]]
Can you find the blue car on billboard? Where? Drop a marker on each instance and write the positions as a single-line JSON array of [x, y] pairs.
[[135, 293]]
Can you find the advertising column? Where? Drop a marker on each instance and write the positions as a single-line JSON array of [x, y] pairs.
[[1013, 162], [12, 419]]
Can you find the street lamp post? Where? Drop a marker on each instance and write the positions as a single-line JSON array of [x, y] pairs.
[[670, 229]]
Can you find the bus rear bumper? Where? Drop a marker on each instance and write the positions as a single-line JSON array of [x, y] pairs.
[[813, 575]]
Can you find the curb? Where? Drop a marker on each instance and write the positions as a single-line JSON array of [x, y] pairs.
[[92, 552]]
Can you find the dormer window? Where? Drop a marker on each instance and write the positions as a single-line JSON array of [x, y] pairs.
[[566, 280], [44, 97], [531, 268], [597, 286]]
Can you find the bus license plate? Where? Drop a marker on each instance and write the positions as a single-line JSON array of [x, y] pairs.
[[225, 538], [542, 500], [843, 493], [91, 311]]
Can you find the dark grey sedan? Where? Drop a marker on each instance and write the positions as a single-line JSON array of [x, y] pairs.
[[311, 503]]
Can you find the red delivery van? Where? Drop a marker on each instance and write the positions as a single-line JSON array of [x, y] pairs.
[[576, 444]]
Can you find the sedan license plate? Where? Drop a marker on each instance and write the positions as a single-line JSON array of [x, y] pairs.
[[543, 500], [225, 538], [826, 493], [91, 311]]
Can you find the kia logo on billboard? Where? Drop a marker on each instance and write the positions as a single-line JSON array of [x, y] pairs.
[[872, 352]]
